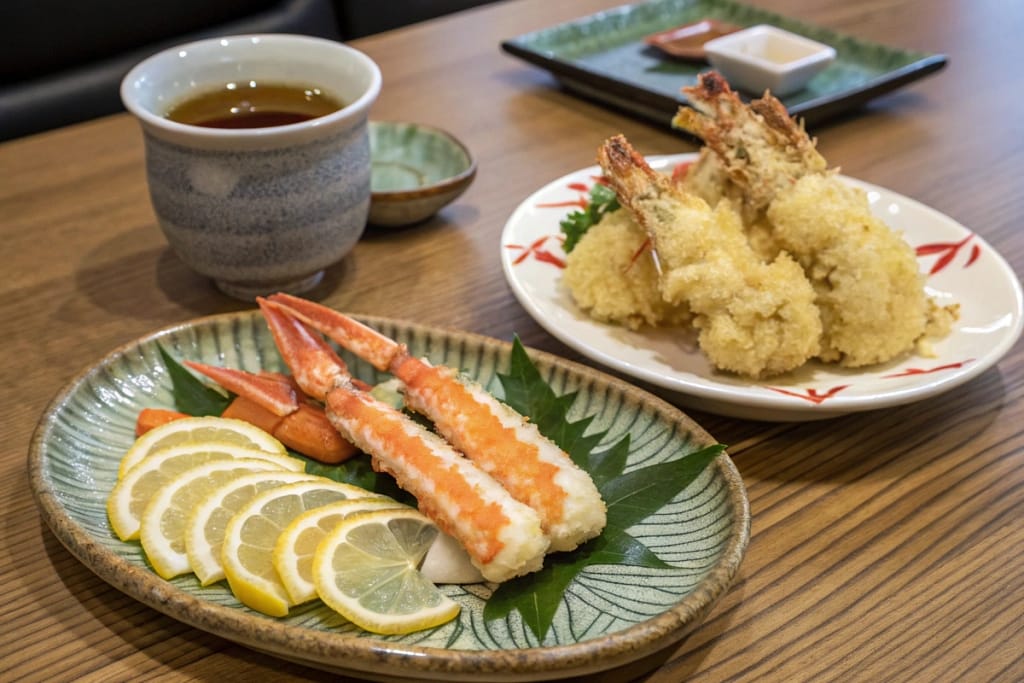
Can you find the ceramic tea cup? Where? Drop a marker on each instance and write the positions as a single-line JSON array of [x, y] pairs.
[[258, 208]]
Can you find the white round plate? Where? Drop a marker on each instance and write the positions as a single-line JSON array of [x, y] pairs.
[[962, 268]]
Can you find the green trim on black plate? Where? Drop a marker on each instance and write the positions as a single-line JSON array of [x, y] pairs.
[[603, 57]]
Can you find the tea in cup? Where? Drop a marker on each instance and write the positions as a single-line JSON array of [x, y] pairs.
[[257, 155]]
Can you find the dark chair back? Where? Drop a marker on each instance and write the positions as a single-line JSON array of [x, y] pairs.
[[63, 61]]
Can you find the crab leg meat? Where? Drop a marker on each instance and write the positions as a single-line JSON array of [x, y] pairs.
[[499, 440], [502, 536]]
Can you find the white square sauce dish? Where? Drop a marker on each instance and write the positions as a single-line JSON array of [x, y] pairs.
[[765, 57]]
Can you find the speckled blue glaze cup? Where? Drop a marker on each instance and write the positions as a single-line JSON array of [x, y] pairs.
[[258, 210]]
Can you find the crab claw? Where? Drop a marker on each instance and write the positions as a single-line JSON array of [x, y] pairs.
[[373, 347], [271, 402], [315, 365], [275, 393]]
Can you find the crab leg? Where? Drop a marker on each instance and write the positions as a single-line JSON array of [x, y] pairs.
[[499, 440], [271, 402], [502, 536]]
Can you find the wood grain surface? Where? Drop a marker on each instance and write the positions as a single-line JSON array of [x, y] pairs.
[[886, 546]]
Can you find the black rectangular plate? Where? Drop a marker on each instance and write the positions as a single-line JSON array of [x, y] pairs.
[[603, 57]]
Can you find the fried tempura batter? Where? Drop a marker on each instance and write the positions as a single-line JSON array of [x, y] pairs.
[[612, 277], [790, 264], [754, 318], [868, 285], [870, 289]]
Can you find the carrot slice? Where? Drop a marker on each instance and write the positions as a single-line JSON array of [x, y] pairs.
[[249, 411], [150, 418], [309, 432]]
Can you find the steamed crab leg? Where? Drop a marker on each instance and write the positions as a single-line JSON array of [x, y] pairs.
[[502, 536], [499, 440]]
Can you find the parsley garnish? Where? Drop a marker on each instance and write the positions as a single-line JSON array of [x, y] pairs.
[[602, 200]]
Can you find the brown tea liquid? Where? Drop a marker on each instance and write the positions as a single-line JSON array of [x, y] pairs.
[[254, 105]]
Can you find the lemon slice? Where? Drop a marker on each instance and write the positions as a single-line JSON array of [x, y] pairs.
[[366, 570], [249, 539], [293, 552], [198, 430], [130, 495], [162, 526], [204, 530]]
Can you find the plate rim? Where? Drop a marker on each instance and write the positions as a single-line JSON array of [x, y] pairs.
[[720, 399], [369, 655]]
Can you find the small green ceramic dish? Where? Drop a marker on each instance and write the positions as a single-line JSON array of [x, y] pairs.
[[417, 171]]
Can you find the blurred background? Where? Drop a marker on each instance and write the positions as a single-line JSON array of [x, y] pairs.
[[62, 62]]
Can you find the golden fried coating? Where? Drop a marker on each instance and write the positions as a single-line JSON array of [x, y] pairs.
[[611, 276], [754, 318], [869, 288], [870, 292], [790, 264]]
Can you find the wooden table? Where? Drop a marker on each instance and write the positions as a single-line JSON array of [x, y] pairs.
[[885, 546]]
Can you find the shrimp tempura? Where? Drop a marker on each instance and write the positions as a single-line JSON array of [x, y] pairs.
[[866, 277], [754, 318]]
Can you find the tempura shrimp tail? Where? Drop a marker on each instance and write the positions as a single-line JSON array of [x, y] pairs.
[[637, 184], [759, 147]]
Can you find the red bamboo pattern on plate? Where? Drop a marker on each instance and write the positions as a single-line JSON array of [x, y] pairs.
[[948, 251], [538, 252]]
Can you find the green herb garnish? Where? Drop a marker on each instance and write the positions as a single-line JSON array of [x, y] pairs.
[[191, 396], [630, 497], [603, 200]]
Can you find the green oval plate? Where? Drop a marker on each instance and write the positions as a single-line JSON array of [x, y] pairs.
[[611, 615]]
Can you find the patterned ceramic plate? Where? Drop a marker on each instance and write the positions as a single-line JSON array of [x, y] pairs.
[[605, 57], [610, 616], [962, 268]]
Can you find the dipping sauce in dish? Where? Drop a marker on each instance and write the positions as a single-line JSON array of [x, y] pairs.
[[766, 57], [687, 41], [254, 105]]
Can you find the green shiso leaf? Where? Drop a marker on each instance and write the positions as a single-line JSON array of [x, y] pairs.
[[527, 393], [191, 395], [358, 471], [630, 496], [602, 201]]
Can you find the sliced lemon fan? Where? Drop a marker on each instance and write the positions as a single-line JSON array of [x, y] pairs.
[[366, 570], [204, 532], [162, 527], [128, 500], [295, 547], [199, 430], [251, 534]]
